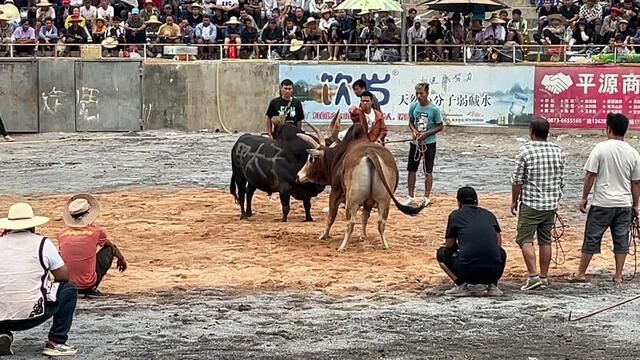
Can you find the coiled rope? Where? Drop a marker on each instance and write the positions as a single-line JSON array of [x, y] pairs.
[[634, 237], [557, 232]]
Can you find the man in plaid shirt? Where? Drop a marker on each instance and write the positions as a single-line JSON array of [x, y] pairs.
[[537, 183]]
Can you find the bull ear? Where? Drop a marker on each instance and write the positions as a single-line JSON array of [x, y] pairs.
[[315, 153], [334, 128], [309, 140]]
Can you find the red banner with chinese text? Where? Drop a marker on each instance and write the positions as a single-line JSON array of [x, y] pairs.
[[580, 97]]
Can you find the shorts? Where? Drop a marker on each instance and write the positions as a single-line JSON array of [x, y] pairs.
[[471, 275], [599, 220], [414, 159], [532, 221]]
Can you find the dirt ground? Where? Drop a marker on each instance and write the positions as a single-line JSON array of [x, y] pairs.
[[193, 262]]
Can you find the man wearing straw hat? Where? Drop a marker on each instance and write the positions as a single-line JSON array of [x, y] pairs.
[[28, 297], [495, 34], [78, 244]]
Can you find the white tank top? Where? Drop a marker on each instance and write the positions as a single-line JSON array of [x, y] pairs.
[[22, 276]]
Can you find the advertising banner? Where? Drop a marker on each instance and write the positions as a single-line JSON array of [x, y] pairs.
[[478, 95], [581, 97]]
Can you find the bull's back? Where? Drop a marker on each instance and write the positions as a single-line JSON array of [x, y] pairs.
[[358, 169]]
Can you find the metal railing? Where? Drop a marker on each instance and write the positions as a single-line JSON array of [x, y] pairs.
[[369, 53]]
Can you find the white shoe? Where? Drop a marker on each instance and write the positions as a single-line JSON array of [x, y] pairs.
[[410, 201], [59, 350], [425, 201], [8, 138]]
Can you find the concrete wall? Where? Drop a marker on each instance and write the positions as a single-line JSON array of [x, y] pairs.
[[194, 96], [19, 95]]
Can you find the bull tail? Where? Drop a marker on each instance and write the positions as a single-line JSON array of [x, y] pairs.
[[408, 210], [233, 186]]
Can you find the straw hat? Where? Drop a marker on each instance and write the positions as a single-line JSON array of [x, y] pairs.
[[44, 3], [233, 21], [296, 45], [21, 217], [364, 12], [82, 204], [495, 19], [153, 20], [100, 18], [148, 2], [3, 17], [110, 43], [197, 5], [310, 20], [558, 17]]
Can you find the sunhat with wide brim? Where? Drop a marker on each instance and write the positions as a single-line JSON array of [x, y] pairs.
[[494, 19], [233, 21], [296, 45], [558, 17], [310, 20], [81, 204], [21, 217], [153, 20], [44, 3]]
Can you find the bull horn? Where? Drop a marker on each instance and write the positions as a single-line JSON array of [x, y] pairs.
[[334, 128], [318, 134], [309, 140]]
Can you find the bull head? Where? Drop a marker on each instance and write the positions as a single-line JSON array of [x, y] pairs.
[[312, 170]]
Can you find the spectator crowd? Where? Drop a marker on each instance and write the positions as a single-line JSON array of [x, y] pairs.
[[308, 29]]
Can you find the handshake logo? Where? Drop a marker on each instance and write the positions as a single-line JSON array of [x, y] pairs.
[[557, 83]]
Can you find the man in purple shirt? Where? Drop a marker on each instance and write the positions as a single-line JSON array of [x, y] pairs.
[[23, 35]]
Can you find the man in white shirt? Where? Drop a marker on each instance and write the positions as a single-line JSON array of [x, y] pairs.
[[89, 12], [613, 171], [27, 296], [105, 10]]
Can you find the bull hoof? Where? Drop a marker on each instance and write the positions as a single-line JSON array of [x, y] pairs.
[[284, 220], [324, 237], [244, 216], [341, 249]]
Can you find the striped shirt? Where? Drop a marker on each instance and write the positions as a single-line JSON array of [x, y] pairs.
[[540, 171]]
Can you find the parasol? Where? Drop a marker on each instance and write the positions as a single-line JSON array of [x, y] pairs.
[[465, 6], [379, 5]]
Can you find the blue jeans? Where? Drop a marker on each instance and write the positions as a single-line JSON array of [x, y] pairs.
[[61, 311]]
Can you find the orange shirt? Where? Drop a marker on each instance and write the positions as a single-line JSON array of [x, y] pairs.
[[78, 247]]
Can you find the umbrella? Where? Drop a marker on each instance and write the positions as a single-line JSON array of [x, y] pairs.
[[379, 5], [465, 6]]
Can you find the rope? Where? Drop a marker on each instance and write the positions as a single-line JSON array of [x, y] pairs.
[[633, 243], [218, 99], [556, 233]]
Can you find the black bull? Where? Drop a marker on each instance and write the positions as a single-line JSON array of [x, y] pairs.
[[261, 163]]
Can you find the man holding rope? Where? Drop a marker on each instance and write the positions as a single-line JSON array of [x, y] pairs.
[[613, 171], [537, 183], [425, 121]]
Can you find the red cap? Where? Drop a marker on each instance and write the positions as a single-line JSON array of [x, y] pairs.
[[66, 2], [615, 9]]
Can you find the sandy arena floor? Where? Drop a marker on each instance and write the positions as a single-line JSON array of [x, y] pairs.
[[193, 263]]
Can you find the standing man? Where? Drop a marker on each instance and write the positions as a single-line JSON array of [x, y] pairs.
[[613, 171], [537, 184], [285, 106], [359, 87], [85, 247], [425, 121], [372, 119], [3, 132], [472, 253], [28, 294]]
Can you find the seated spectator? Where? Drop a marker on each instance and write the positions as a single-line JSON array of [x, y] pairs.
[[245, 15], [553, 34], [272, 35], [582, 38], [417, 34], [105, 10], [412, 14], [25, 37], [334, 39], [169, 32], [512, 49], [312, 35], [219, 20], [167, 10], [570, 11], [327, 20], [495, 34], [75, 14], [314, 8], [84, 246], [135, 27], [362, 21], [45, 10], [298, 18], [99, 30], [504, 16], [373, 120], [48, 33], [229, 7], [116, 30], [610, 22], [205, 34], [89, 12], [391, 35], [371, 33], [591, 12], [232, 34], [33, 283], [151, 33], [62, 13], [631, 13], [249, 36], [195, 17], [149, 10], [617, 45], [622, 29], [76, 34], [347, 29], [472, 254], [186, 32], [253, 8], [544, 12], [520, 24], [435, 36]]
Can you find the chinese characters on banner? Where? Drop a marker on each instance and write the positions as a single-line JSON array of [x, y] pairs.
[[467, 95], [581, 97]]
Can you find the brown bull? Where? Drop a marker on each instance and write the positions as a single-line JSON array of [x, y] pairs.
[[361, 173]]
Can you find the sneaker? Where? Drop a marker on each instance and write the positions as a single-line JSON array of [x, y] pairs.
[[459, 291], [59, 350], [493, 290], [545, 282], [425, 201], [532, 283], [5, 344], [410, 201], [8, 138]]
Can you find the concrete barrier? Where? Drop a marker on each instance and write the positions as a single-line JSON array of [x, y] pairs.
[[208, 95], [57, 100], [109, 95], [19, 95]]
